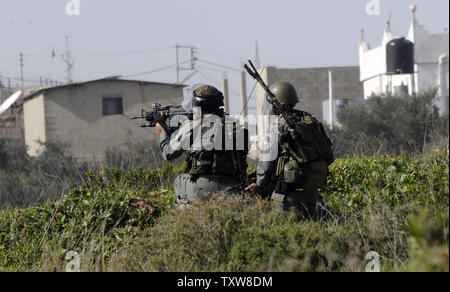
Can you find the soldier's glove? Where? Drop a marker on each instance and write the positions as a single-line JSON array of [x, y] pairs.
[[254, 189], [158, 127]]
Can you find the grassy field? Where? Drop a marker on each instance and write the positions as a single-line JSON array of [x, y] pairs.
[[126, 221]]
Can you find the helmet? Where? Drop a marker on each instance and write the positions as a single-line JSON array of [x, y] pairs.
[[207, 97], [285, 93]]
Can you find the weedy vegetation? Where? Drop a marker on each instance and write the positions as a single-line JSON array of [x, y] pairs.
[[126, 221]]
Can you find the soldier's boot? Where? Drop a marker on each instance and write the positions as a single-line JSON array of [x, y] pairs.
[[308, 205]]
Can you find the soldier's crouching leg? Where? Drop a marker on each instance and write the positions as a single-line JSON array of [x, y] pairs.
[[183, 190], [278, 201], [308, 205], [188, 191]]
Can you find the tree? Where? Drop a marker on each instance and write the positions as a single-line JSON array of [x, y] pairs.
[[393, 124]]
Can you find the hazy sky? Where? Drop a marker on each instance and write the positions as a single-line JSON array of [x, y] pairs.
[[112, 37]]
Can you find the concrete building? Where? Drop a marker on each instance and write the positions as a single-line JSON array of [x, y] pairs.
[[312, 84], [431, 67], [11, 122], [93, 116]]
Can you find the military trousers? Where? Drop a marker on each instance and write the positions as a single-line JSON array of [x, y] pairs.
[[202, 189], [307, 204]]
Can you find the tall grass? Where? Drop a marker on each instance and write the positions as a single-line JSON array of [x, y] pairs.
[[26, 181]]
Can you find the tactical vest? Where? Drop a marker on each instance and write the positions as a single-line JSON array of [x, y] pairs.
[[304, 163], [229, 163]]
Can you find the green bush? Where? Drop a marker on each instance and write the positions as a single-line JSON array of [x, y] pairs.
[[107, 206], [391, 180], [125, 221]]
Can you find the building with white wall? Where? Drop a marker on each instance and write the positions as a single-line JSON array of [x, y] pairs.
[[431, 67]]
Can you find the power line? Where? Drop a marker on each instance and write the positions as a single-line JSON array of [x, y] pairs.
[[250, 96], [219, 65], [34, 67], [126, 53], [142, 52], [32, 70], [209, 79], [217, 70], [215, 82], [12, 68], [193, 59], [221, 54], [137, 52], [156, 70], [25, 80], [61, 68]]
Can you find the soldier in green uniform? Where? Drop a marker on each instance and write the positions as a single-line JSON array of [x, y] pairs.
[[213, 164], [293, 180]]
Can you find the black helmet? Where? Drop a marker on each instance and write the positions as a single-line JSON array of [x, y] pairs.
[[207, 97]]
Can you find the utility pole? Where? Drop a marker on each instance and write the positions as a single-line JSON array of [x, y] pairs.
[[244, 98], [21, 70], [330, 80], [257, 58], [225, 95], [177, 55], [193, 58], [178, 64], [413, 84], [67, 58]]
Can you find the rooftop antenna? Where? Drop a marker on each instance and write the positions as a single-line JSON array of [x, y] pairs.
[[413, 9], [21, 70], [67, 58], [389, 20]]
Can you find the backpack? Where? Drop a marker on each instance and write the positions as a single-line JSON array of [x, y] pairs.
[[229, 163], [308, 151]]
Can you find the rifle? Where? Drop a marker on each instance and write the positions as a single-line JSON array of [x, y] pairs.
[[161, 114], [280, 109]]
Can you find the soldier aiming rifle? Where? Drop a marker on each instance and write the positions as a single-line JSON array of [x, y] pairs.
[[209, 170]]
